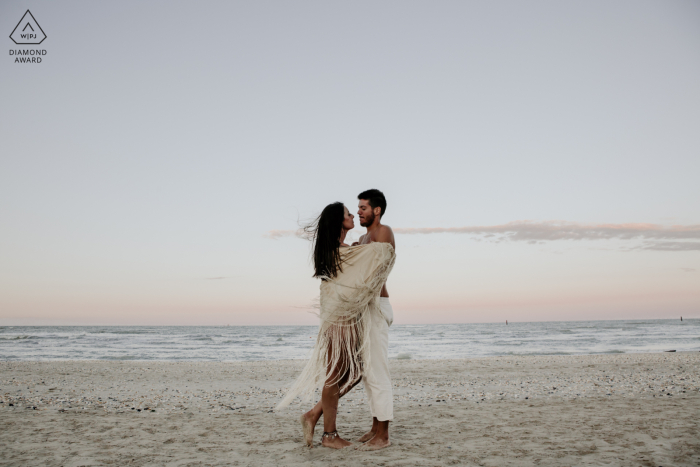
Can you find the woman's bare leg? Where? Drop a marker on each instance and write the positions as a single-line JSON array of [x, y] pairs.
[[328, 405], [312, 417], [329, 399]]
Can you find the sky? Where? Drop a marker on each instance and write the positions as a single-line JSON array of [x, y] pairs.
[[540, 159]]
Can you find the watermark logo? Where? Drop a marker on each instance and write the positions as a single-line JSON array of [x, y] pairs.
[[28, 31]]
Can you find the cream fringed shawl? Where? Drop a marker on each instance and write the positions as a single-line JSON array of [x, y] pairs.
[[348, 303]]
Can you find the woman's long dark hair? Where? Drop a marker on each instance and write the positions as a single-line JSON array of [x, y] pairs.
[[325, 233]]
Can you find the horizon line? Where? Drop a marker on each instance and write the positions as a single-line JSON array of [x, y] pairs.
[[312, 325]]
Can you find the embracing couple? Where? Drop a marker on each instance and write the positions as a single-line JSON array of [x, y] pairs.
[[355, 313]]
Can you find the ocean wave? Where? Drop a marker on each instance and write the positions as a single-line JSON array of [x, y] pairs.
[[78, 336], [239, 343], [121, 332], [121, 357]]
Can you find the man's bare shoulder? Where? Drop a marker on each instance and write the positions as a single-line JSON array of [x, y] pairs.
[[385, 230], [384, 234]]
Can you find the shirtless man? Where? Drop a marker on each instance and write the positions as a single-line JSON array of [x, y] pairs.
[[377, 385], [371, 208]]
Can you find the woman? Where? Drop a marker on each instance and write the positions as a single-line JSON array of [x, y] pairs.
[[351, 281]]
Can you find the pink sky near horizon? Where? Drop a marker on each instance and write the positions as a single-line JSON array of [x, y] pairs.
[[557, 292]]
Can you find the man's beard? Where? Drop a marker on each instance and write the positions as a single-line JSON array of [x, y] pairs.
[[368, 220]]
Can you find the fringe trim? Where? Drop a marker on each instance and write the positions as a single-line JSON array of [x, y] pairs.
[[343, 337]]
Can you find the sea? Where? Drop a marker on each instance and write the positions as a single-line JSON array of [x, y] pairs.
[[417, 341]]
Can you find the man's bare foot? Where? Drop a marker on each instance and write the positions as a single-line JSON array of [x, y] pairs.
[[335, 442], [366, 437], [374, 444], [308, 427]]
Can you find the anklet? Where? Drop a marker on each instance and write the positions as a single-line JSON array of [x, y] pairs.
[[330, 433]]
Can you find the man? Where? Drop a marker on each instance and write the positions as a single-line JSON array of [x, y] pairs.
[[371, 208]]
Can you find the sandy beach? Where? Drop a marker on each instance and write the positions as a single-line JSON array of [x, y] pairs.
[[620, 409]]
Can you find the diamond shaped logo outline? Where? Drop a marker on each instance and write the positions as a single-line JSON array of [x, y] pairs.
[[30, 26]]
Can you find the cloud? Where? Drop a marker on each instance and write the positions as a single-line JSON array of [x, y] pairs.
[[671, 246], [656, 237], [532, 231], [275, 234]]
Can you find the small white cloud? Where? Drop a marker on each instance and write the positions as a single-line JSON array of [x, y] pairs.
[[671, 246], [275, 234]]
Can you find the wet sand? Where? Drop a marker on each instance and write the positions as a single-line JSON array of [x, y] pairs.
[[621, 409]]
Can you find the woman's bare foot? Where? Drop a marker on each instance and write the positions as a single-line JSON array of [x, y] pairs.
[[374, 444], [366, 437], [308, 426], [334, 441]]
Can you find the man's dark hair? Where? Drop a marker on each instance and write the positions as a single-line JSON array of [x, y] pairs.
[[375, 198]]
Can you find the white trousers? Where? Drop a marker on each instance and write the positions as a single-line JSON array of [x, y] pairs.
[[378, 381]]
